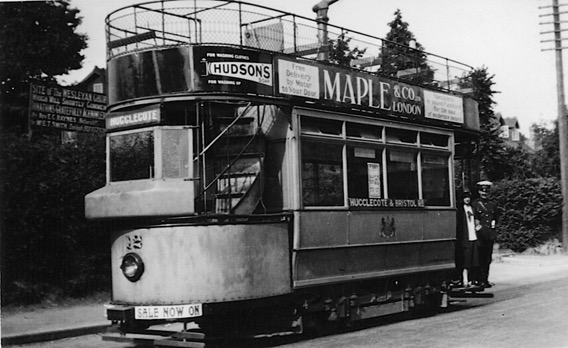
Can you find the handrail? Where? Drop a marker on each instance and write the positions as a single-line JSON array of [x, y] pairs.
[[221, 134], [231, 163]]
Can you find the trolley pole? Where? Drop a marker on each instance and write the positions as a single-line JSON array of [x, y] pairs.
[[562, 116], [321, 10]]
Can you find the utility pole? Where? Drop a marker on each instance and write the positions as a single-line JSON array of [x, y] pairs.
[[562, 112]]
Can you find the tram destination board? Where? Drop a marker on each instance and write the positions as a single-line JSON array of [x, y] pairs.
[[66, 108]]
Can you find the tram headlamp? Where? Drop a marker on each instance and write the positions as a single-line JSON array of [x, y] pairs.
[[132, 266]]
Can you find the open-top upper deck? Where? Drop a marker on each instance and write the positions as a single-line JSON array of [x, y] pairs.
[[162, 24]]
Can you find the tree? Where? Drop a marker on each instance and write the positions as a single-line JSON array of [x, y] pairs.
[[492, 154], [37, 41], [46, 242], [517, 164], [546, 162], [397, 55], [340, 52]]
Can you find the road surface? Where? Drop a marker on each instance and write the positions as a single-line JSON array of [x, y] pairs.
[[529, 309]]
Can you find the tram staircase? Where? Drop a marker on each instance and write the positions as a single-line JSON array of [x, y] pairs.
[[238, 170]]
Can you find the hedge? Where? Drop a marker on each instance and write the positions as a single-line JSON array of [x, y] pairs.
[[48, 247], [530, 212]]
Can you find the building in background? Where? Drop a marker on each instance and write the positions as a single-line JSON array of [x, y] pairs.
[[94, 82], [509, 131]]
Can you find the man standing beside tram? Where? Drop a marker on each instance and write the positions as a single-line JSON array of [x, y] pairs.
[[485, 213]]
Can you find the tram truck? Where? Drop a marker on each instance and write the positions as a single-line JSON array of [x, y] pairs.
[[256, 183]]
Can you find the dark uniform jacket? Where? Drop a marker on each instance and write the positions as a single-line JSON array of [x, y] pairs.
[[485, 212]]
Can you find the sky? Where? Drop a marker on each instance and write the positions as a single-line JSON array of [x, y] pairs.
[[503, 36]]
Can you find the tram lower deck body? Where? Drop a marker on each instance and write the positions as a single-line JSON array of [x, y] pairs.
[[250, 277]]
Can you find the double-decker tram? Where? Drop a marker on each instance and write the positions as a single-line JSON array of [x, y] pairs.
[[255, 184]]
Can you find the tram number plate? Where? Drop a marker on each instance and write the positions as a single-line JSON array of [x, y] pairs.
[[167, 312]]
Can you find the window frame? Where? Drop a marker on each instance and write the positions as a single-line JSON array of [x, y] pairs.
[[342, 165], [379, 149], [418, 158], [98, 87], [158, 160], [451, 180], [380, 145]]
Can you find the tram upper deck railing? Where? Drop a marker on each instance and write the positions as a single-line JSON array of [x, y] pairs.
[[160, 24]]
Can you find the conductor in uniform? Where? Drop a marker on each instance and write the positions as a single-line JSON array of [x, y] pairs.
[[485, 215]]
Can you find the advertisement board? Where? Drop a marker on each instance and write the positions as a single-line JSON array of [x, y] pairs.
[[66, 108], [354, 89], [246, 72], [443, 107], [232, 70], [228, 69]]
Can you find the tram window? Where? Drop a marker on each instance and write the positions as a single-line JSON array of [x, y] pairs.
[[402, 174], [435, 180], [364, 131], [322, 174], [179, 113], [175, 156], [401, 136], [321, 126], [431, 139], [364, 172], [132, 156]]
